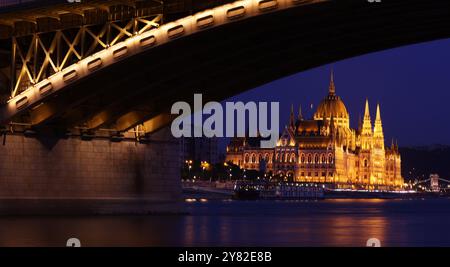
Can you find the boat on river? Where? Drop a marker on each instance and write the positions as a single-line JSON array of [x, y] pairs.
[[277, 190]]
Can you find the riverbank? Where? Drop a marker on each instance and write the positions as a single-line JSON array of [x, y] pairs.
[[225, 190]]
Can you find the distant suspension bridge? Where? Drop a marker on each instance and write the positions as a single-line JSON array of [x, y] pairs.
[[433, 182]]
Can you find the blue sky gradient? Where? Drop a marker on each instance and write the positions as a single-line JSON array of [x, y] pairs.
[[411, 83]]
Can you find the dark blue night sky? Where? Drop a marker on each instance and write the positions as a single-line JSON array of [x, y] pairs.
[[411, 83]]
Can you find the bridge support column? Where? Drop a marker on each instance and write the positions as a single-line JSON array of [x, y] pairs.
[[71, 176]]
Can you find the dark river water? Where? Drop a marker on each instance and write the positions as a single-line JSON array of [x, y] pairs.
[[248, 223]]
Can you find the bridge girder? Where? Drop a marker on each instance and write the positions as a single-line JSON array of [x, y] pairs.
[[36, 57], [74, 23]]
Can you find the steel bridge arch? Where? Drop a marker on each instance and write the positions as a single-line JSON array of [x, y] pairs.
[[141, 42], [185, 27]]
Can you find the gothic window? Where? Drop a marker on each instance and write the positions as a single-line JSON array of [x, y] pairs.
[[309, 158], [266, 157], [247, 158], [330, 158], [292, 157], [316, 159], [277, 156], [365, 163], [303, 158], [260, 157], [253, 158], [323, 158], [286, 157]]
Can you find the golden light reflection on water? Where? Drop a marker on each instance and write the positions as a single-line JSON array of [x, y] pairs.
[[233, 223], [352, 224], [195, 230], [367, 201], [350, 230]]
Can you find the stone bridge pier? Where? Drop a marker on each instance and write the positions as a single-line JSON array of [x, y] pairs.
[[47, 175]]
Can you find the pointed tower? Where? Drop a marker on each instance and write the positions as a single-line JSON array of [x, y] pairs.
[[378, 127], [300, 115], [332, 88], [378, 134], [292, 119], [366, 132], [367, 123]]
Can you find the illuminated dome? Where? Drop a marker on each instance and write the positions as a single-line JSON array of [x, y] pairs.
[[331, 106]]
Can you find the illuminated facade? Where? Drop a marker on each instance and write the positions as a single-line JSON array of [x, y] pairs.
[[325, 149]]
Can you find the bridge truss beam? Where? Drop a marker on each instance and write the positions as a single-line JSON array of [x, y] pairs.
[[36, 57]]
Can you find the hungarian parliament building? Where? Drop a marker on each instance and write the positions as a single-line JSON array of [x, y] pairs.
[[324, 149]]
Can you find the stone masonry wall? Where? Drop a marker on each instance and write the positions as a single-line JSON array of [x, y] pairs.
[[73, 169]]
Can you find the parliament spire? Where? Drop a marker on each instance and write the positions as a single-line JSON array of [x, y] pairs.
[[332, 88]]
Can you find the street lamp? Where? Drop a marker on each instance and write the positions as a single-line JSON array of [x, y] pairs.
[[189, 163]]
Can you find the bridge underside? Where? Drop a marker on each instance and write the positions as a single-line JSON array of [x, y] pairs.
[[232, 58]]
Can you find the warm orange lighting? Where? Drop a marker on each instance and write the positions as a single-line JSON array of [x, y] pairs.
[[326, 149]]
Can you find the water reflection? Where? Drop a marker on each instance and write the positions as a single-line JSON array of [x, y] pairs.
[[233, 223]]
